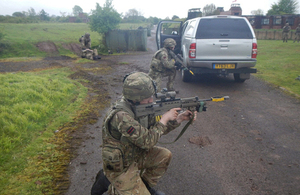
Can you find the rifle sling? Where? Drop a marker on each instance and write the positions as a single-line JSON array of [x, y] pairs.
[[181, 133]]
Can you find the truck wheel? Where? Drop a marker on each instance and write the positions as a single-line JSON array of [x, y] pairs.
[[237, 78], [186, 76]]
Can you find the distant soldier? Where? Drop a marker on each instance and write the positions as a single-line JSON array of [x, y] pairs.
[[86, 50], [297, 34], [285, 32], [163, 65]]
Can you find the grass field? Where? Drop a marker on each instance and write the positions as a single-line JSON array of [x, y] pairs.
[[278, 64], [33, 105], [20, 39]]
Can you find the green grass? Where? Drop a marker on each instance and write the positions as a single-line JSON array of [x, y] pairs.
[[32, 106], [278, 64], [22, 38]]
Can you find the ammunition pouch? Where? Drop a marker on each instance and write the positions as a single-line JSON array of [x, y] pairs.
[[112, 157], [156, 65]]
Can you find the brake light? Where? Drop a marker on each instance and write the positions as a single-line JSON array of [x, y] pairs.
[[192, 51], [254, 50]]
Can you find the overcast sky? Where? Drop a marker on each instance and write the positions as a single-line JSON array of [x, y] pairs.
[[155, 8]]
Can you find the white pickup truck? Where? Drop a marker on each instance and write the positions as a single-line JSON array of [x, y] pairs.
[[219, 45]]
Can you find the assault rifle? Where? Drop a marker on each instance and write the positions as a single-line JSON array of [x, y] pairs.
[[179, 61], [168, 101]]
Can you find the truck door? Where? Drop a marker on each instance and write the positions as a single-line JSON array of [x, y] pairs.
[[169, 29]]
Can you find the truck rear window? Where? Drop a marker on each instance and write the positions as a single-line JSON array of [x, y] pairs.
[[223, 28]]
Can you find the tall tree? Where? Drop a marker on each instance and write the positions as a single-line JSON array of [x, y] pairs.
[[18, 14], [44, 16], [76, 10], [133, 15], [209, 10], [175, 17], [257, 12], [104, 19], [283, 7], [31, 12]]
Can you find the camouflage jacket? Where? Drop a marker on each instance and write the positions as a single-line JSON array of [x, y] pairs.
[[297, 30], [162, 60], [85, 43], [128, 134], [286, 29]]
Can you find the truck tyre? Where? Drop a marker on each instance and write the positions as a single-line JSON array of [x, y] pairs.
[[237, 78], [186, 76]]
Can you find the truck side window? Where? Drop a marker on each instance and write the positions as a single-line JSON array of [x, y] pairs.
[[190, 28]]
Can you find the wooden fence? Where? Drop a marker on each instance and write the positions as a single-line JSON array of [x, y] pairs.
[[127, 40], [272, 35]]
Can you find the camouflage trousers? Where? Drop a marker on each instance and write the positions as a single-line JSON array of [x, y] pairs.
[[297, 37], [157, 77], [285, 36], [151, 167], [89, 54]]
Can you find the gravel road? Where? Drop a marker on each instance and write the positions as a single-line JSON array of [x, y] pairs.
[[248, 144]]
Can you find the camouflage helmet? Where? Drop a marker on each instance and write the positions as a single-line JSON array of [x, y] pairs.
[[169, 42], [87, 35], [138, 86]]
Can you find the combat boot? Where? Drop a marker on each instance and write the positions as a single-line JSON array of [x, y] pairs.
[[152, 190], [101, 184]]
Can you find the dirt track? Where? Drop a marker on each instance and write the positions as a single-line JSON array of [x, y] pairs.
[[246, 145]]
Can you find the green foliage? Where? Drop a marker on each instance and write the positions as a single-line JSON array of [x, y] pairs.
[[210, 10], [77, 10], [153, 20], [175, 17], [44, 16], [18, 20], [133, 26], [283, 7], [18, 14], [278, 63], [104, 19], [133, 16]]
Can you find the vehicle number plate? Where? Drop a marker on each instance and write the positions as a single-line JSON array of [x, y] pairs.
[[223, 66]]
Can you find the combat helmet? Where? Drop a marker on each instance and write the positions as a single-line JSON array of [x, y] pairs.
[[169, 42], [138, 86], [87, 35]]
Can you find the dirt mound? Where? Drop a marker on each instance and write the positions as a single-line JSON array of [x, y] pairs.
[[48, 47], [75, 48]]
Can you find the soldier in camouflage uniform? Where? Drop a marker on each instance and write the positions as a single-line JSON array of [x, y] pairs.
[[86, 50], [162, 65], [297, 34], [285, 32], [131, 161]]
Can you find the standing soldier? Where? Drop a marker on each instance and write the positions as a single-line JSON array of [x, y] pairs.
[[162, 65], [86, 48], [297, 34], [132, 163], [285, 32]]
